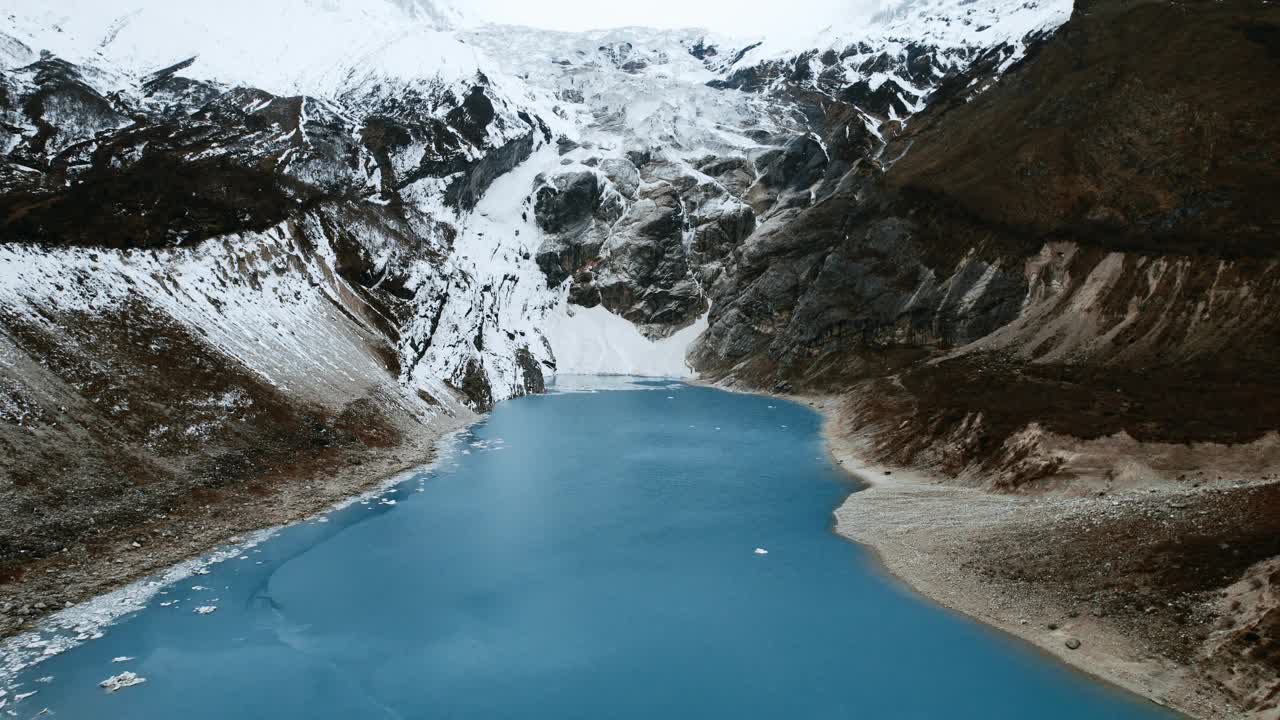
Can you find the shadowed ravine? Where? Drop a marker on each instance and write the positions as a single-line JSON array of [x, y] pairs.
[[578, 555]]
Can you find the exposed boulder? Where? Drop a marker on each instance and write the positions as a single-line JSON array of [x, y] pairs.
[[574, 210], [736, 173], [645, 274], [624, 176], [568, 201], [788, 175]]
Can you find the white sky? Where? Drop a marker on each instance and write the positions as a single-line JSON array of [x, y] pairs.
[[733, 17]]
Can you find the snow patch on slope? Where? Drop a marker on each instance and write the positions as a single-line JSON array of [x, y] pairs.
[[594, 341], [943, 24], [631, 88], [293, 329], [317, 47]]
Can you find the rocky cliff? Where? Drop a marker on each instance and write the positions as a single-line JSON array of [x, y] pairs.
[[1094, 231]]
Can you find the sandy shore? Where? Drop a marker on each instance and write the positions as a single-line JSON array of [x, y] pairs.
[[930, 535]]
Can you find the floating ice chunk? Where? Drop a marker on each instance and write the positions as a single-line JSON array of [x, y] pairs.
[[45, 680], [205, 609], [198, 588], [122, 658], [23, 696], [121, 681], [761, 551], [200, 571]]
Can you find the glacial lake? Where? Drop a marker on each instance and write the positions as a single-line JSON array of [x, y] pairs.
[[576, 555]]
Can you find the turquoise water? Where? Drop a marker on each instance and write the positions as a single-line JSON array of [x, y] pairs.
[[581, 556]]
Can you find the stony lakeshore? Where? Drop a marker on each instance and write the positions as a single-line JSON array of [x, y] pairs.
[[1119, 585]]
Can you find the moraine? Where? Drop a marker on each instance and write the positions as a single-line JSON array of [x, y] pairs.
[[581, 554]]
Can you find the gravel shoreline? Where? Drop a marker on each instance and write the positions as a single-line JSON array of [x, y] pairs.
[[930, 535], [83, 571]]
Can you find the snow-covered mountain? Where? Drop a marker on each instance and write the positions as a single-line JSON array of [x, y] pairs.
[[602, 97], [244, 245], [237, 232], [313, 47]]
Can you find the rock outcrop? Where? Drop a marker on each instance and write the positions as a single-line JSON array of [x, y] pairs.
[[1093, 232]]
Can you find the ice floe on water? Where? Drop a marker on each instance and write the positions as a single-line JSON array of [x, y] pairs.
[[761, 551], [87, 621], [121, 681]]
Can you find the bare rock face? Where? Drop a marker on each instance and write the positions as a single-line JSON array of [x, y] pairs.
[[572, 211], [646, 244], [645, 275], [951, 244], [789, 174], [199, 161], [829, 295], [1164, 157], [569, 202], [735, 173]]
